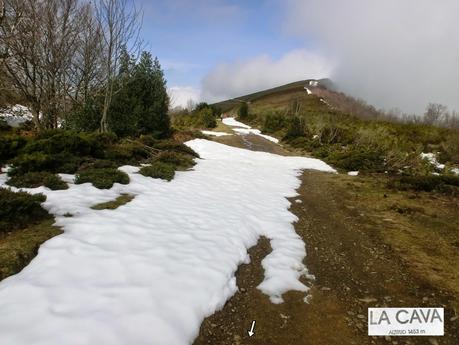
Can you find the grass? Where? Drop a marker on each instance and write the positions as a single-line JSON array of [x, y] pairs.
[[123, 199], [420, 226], [19, 247]]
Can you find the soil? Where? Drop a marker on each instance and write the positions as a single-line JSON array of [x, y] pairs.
[[353, 252]]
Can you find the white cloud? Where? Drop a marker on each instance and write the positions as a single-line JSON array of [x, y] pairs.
[[180, 96], [262, 72], [392, 53]]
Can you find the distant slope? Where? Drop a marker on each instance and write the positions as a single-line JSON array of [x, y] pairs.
[[324, 91], [283, 89]]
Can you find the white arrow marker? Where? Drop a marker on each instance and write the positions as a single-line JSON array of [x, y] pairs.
[[251, 332]]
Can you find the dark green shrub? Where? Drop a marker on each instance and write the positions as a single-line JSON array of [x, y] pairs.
[[128, 152], [86, 118], [102, 178], [4, 126], [207, 118], [10, 145], [179, 160], [160, 170], [357, 158], [30, 162], [243, 111], [78, 144], [170, 145], [296, 128], [18, 210], [38, 161], [97, 164], [273, 122], [440, 183], [37, 179]]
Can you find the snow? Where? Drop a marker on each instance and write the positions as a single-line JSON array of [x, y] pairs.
[[455, 171], [150, 271], [432, 159], [308, 91], [256, 132], [16, 114], [325, 102], [353, 173], [217, 134], [231, 121], [313, 83]]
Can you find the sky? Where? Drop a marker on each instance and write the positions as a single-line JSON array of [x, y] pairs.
[[395, 54]]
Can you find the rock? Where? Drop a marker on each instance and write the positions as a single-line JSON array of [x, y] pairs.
[[325, 288]]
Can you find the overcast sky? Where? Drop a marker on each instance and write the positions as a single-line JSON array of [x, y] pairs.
[[392, 53]]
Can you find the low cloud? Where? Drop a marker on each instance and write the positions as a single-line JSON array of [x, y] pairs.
[[391, 53], [181, 96], [242, 77]]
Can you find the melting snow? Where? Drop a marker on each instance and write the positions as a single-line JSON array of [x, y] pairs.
[[432, 159], [150, 271], [308, 91], [230, 121], [217, 134], [16, 114], [353, 173]]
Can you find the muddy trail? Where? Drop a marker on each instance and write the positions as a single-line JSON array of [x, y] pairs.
[[354, 267]]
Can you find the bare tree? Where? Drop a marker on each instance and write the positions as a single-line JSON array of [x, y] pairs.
[[434, 113], [38, 40], [120, 23]]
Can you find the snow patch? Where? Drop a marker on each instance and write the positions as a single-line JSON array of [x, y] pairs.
[[353, 173], [217, 134], [256, 132], [308, 91], [16, 114], [230, 121], [153, 269], [432, 159]]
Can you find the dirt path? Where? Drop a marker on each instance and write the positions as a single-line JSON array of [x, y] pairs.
[[355, 268]]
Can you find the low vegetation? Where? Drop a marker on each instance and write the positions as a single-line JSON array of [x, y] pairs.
[[19, 247], [203, 116], [350, 143], [123, 199], [20, 209], [37, 179], [93, 157], [160, 170], [102, 178]]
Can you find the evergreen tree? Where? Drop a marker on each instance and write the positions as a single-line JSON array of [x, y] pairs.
[[141, 102]]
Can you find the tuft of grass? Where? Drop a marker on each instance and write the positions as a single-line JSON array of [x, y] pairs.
[[160, 170], [102, 178], [37, 179], [123, 199], [19, 247]]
